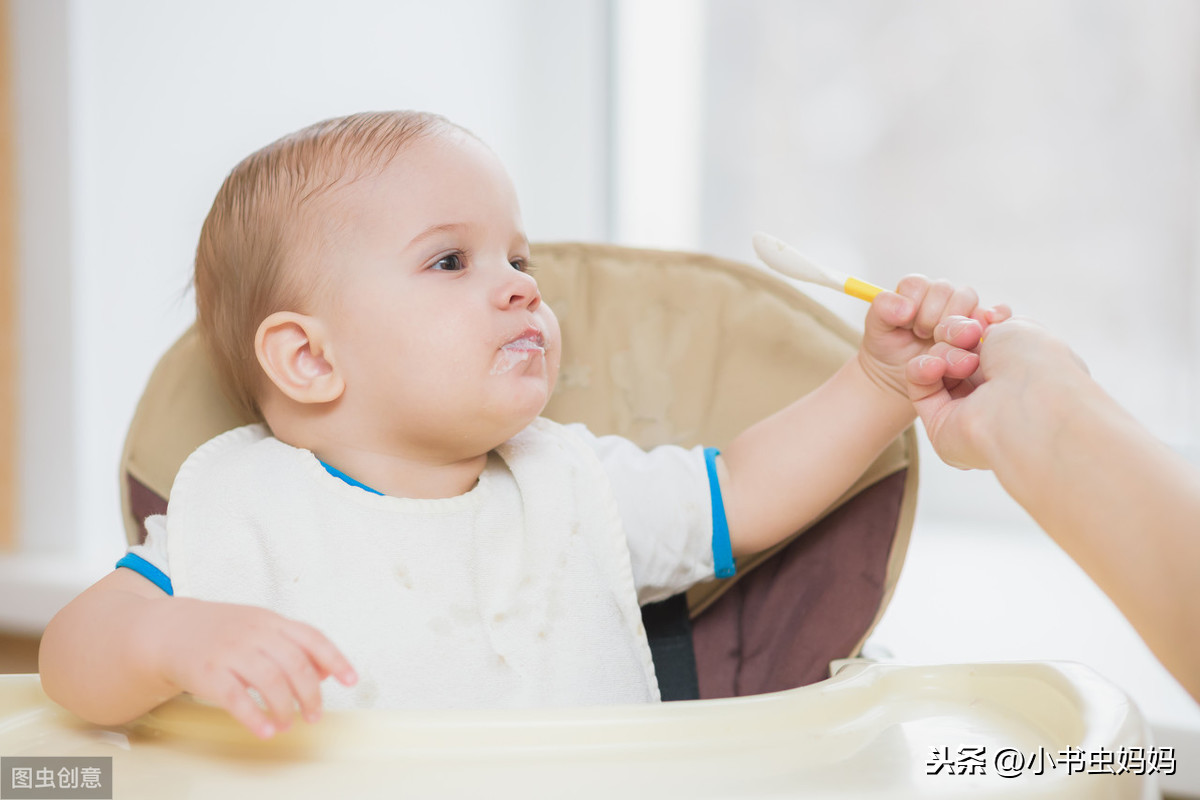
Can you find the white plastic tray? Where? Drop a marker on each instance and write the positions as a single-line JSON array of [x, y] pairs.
[[868, 732]]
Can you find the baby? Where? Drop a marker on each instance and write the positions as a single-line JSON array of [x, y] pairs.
[[406, 522]]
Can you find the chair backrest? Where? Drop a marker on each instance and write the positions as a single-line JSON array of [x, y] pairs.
[[660, 347]]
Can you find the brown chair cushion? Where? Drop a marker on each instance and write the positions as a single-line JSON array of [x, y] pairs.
[[814, 601]]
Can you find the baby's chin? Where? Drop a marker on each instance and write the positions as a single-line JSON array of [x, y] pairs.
[[519, 391], [518, 417]]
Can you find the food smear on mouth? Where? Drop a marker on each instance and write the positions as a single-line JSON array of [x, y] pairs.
[[515, 353]]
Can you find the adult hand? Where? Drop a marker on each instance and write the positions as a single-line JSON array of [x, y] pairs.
[[1019, 362]]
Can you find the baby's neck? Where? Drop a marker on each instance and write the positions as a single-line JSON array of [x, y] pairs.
[[427, 463], [402, 476]]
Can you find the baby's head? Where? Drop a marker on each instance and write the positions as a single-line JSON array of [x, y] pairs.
[[369, 273]]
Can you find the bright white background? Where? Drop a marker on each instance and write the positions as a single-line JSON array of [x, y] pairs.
[[1042, 150]]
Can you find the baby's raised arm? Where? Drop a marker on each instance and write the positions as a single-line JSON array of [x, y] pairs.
[[123, 647], [782, 472]]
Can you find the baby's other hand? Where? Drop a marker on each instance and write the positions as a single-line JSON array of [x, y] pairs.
[[219, 651], [900, 326]]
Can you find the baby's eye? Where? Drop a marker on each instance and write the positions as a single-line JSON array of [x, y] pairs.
[[450, 263], [521, 265]]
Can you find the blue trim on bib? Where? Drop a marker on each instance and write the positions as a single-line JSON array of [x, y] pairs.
[[725, 566], [148, 571], [337, 473]]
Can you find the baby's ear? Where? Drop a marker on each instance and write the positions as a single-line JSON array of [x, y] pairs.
[[295, 352]]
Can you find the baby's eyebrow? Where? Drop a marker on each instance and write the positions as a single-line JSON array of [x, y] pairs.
[[433, 230]]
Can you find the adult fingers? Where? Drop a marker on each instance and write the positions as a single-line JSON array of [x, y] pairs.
[[998, 313], [960, 364], [924, 375], [939, 376]]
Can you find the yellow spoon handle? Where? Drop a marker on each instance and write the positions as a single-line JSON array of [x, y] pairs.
[[861, 289]]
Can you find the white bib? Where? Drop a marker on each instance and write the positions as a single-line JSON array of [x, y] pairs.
[[517, 593]]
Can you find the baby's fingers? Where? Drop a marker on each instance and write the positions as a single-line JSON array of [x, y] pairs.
[[941, 299], [959, 332], [303, 677], [327, 658], [265, 675], [232, 694], [933, 301]]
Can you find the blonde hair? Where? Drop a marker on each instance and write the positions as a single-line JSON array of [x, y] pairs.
[[257, 229]]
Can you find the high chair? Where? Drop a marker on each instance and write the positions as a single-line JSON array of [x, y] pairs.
[[661, 348]]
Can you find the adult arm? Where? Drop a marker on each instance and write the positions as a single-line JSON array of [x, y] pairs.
[[1121, 503]]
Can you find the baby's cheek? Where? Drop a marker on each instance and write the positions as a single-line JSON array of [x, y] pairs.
[[552, 333]]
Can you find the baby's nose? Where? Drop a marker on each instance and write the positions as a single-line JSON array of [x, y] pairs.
[[520, 289]]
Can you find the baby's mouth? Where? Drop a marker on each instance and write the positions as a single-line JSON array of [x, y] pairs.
[[528, 344], [528, 340]]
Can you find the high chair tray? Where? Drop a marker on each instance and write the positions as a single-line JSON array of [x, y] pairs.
[[1000, 730]]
